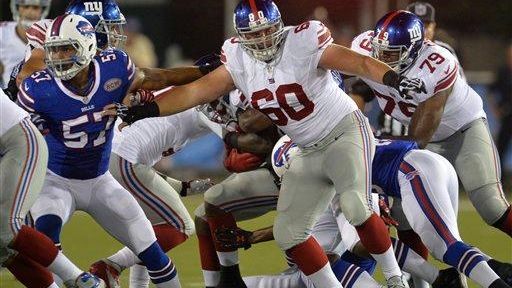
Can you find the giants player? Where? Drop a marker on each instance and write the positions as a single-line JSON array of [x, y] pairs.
[[447, 118], [26, 252], [427, 182], [69, 96], [14, 39], [294, 63]]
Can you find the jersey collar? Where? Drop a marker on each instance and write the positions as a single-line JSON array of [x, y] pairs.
[[91, 93]]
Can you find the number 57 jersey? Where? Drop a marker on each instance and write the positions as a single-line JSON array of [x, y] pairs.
[[80, 137], [438, 68], [302, 99]]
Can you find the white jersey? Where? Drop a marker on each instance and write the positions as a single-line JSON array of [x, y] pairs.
[[10, 113], [301, 98], [438, 68], [12, 49], [144, 141]]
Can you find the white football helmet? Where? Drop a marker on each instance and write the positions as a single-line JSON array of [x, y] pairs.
[[70, 45], [282, 154], [44, 4]]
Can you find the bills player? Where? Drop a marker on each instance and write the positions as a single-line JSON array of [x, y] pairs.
[[26, 252], [14, 39], [447, 117], [80, 138], [268, 59]]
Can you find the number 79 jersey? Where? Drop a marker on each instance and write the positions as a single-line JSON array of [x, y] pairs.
[[302, 99], [80, 137], [438, 68]]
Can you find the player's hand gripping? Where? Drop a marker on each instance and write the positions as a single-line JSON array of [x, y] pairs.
[[130, 115], [233, 238], [407, 86]]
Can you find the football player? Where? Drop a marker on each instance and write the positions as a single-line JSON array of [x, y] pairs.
[[14, 39], [447, 117], [427, 182], [26, 252], [135, 150], [69, 95], [285, 72]]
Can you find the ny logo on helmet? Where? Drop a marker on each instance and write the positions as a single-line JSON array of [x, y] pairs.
[[415, 33], [93, 7]]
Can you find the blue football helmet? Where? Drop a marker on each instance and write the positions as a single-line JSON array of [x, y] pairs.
[[259, 27], [107, 19], [44, 4], [398, 38]]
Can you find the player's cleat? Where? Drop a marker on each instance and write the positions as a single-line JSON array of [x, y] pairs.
[[86, 280], [230, 278], [504, 270], [107, 271], [449, 278], [397, 282]]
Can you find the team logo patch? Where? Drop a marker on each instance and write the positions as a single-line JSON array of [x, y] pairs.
[[282, 154], [85, 28], [112, 84]]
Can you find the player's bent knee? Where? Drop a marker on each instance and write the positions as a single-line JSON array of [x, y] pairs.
[[489, 202], [288, 235], [140, 235], [214, 195], [355, 207]]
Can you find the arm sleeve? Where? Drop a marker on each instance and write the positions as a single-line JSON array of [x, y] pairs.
[[310, 39], [25, 98]]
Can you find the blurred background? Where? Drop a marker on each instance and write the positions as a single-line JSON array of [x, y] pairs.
[[167, 33]]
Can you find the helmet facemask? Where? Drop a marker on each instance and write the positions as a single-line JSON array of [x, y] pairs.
[[396, 56], [217, 111], [26, 23], [114, 30], [262, 39], [73, 60]]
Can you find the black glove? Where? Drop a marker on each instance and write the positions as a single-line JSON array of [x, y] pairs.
[[233, 238], [40, 123], [136, 113], [208, 63], [12, 89], [404, 85]]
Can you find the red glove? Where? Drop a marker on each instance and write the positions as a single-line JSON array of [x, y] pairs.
[[241, 161], [141, 96]]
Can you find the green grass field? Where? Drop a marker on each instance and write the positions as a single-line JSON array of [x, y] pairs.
[[85, 242]]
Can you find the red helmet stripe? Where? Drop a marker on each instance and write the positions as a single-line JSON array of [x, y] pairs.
[[254, 9], [56, 25], [387, 21]]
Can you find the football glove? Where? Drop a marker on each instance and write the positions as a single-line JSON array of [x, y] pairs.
[[208, 63], [135, 113], [233, 238], [408, 86], [238, 162], [141, 96]]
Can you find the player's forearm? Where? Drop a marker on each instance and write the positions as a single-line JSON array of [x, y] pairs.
[[422, 131], [262, 235], [155, 79], [375, 70]]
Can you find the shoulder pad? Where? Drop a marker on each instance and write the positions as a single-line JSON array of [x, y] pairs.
[[362, 43]]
